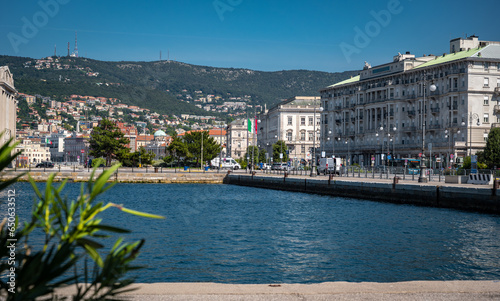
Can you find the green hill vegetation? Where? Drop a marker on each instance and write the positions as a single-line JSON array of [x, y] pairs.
[[165, 86]]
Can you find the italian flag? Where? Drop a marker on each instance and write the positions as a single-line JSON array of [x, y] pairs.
[[252, 129]]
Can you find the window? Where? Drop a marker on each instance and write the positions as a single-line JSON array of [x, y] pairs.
[[486, 118], [303, 136], [486, 82], [302, 149], [498, 82], [311, 121], [463, 82], [290, 120], [289, 135], [485, 137], [311, 136], [486, 66], [302, 121], [486, 101]]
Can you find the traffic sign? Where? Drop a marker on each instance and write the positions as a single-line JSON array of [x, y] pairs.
[[82, 151]]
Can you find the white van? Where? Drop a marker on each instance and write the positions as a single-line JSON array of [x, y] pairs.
[[227, 163], [329, 166]]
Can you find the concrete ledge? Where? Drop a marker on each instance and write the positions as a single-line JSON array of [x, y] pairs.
[[413, 290]]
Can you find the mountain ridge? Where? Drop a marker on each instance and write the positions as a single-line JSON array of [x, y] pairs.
[[164, 86]]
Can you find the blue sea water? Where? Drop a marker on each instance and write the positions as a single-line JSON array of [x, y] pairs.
[[231, 234]]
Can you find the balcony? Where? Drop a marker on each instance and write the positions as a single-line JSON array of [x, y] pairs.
[[497, 91], [411, 113], [435, 110], [495, 125], [496, 109], [434, 126]]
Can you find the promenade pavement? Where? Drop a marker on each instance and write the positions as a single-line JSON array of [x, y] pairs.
[[369, 178], [401, 291]]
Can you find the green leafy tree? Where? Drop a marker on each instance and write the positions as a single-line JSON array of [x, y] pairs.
[[177, 149], [141, 156], [492, 149], [211, 148], [252, 150], [280, 147], [262, 155], [107, 141]]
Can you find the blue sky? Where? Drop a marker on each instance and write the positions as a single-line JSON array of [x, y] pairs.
[[330, 36]]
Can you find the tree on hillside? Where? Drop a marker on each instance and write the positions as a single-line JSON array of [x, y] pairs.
[[280, 147], [492, 149], [107, 141], [211, 148]]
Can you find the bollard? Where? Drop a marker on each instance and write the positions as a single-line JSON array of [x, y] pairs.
[[330, 179], [495, 187]]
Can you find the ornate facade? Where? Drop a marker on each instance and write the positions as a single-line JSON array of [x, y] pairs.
[[382, 111]]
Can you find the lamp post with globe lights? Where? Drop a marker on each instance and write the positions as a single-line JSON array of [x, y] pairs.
[[423, 172], [313, 169]]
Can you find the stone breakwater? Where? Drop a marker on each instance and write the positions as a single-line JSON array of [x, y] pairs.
[[125, 177], [481, 198]]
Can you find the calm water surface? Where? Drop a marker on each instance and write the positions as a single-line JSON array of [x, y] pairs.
[[230, 234]]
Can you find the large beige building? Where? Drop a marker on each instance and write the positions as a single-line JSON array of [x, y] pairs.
[[382, 110], [239, 138], [7, 105], [292, 121]]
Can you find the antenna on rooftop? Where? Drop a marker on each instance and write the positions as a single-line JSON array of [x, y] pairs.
[[55, 49], [76, 44], [68, 48]]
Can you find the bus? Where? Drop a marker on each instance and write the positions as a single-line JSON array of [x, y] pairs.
[[412, 165]]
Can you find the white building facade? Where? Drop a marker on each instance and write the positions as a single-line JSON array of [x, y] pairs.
[[292, 121], [239, 138], [7, 105], [381, 112], [34, 150]]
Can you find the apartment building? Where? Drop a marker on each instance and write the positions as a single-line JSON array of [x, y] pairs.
[[34, 150], [445, 104], [293, 121], [239, 138]]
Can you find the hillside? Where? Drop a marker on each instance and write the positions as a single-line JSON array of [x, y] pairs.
[[164, 86]]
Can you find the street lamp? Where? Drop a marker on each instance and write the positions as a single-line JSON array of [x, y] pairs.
[[472, 116], [313, 169], [423, 173]]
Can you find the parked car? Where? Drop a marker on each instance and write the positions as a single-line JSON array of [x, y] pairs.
[[46, 164], [227, 163], [264, 166], [280, 166], [328, 166]]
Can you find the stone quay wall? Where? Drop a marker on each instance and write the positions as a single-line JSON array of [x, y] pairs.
[[475, 198], [125, 177]]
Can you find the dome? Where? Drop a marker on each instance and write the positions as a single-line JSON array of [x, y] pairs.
[[160, 133]]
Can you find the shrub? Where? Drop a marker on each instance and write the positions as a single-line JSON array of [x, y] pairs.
[[73, 233]]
